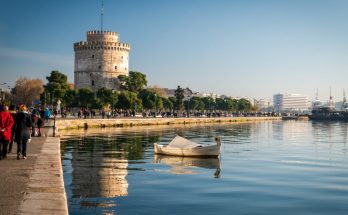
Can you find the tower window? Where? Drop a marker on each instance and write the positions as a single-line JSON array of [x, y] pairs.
[[115, 67], [92, 55], [92, 83]]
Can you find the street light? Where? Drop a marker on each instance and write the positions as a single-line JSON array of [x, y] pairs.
[[1, 97], [155, 105], [113, 97], [188, 106]]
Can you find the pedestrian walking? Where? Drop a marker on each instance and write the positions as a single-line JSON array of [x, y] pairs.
[[39, 124], [13, 113], [23, 123], [47, 114], [6, 122]]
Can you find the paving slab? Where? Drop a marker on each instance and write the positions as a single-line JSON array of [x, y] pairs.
[[35, 185]]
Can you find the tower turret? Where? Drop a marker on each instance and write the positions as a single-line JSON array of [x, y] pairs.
[[100, 60]]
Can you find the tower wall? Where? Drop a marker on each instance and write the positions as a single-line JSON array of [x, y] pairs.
[[100, 60]]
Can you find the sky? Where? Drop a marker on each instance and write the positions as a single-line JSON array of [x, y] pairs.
[[245, 48]]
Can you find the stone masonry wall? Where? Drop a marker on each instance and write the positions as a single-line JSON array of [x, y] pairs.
[[100, 60]]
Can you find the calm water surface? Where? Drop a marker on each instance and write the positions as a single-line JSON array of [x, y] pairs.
[[290, 167]]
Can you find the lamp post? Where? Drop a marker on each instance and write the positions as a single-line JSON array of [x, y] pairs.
[[1, 97], [155, 105], [113, 98], [188, 106]]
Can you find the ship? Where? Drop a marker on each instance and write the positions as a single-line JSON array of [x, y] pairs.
[[329, 113]]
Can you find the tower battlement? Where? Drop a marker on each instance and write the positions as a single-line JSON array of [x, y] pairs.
[[102, 36], [101, 45], [101, 32]]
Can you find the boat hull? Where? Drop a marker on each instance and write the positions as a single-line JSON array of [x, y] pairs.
[[204, 151]]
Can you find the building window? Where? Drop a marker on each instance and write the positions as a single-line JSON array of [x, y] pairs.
[[115, 67], [92, 83], [92, 55], [121, 57], [125, 68], [99, 67]]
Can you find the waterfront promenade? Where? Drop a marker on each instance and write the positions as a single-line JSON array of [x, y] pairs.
[[35, 185]]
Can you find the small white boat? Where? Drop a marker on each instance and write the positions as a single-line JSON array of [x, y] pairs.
[[180, 146]]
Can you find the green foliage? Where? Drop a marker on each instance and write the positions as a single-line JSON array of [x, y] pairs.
[[57, 86], [129, 100], [70, 98], [159, 103], [167, 104], [135, 82], [148, 99], [244, 105], [179, 98], [85, 97], [196, 103], [107, 97], [209, 103], [232, 105]]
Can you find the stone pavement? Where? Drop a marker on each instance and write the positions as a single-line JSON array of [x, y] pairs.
[[35, 185]]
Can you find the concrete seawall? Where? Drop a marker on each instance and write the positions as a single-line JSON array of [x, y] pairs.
[[45, 193], [63, 124]]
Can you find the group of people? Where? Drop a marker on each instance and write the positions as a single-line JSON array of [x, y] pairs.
[[16, 126]]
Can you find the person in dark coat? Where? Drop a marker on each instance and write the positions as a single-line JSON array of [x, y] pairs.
[[23, 123], [6, 122], [40, 123]]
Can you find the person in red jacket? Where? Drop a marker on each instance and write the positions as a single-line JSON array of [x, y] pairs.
[[6, 122]]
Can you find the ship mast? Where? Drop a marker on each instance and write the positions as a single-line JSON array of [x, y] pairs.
[[344, 102], [331, 102]]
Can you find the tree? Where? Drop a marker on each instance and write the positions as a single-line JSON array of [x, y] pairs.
[[220, 104], [209, 103], [105, 96], [232, 104], [57, 86], [244, 105], [159, 103], [148, 99], [196, 103], [27, 90], [70, 98], [179, 98], [129, 100], [167, 104], [85, 97], [135, 82]]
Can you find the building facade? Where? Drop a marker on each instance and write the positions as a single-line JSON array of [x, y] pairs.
[[290, 103], [100, 60]]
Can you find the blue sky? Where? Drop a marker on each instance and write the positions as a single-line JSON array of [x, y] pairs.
[[246, 48]]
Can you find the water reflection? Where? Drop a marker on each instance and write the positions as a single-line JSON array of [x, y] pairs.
[[97, 176], [295, 167], [181, 165]]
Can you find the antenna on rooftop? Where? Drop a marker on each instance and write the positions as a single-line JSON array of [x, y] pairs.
[[101, 15]]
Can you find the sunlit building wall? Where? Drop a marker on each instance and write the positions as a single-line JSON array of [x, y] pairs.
[[290, 103]]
